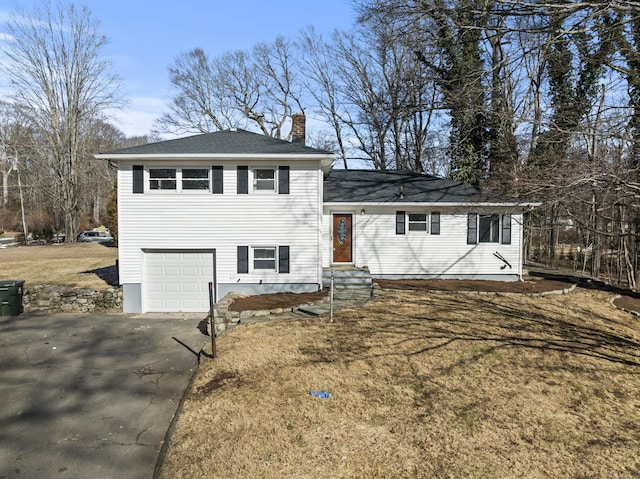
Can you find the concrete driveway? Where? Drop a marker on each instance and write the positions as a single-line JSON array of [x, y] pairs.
[[91, 395]]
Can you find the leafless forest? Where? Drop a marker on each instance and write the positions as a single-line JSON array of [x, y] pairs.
[[537, 100]]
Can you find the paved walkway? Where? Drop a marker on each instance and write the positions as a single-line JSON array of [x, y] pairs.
[[90, 395]]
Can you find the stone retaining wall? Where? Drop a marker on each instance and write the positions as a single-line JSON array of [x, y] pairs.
[[57, 299]]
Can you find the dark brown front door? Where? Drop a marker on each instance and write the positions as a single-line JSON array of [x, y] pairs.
[[342, 248]]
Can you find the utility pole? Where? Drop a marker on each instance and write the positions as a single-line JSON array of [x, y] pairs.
[[24, 221]]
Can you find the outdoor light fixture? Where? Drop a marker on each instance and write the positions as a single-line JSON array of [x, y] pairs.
[[362, 211]]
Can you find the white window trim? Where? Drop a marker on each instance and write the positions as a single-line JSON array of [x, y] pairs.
[[252, 258], [253, 180], [178, 189]]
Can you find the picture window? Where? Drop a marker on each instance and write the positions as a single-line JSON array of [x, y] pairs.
[[489, 226]]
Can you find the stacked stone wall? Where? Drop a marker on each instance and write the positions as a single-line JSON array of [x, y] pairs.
[[56, 298]]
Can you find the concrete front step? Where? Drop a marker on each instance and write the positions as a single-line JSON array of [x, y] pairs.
[[347, 277]]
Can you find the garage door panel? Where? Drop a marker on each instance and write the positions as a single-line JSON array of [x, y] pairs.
[[171, 288], [190, 287], [169, 271], [177, 281]]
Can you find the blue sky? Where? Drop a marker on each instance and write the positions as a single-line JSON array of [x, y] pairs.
[[146, 36]]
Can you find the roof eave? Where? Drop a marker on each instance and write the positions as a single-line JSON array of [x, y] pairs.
[[213, 156], [526, 205]]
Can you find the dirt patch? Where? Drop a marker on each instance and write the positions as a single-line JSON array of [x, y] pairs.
[[530, 286], [288, 300], [276, 300]]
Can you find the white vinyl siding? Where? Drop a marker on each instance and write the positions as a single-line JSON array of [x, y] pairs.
[[223, 222], [376, 245]]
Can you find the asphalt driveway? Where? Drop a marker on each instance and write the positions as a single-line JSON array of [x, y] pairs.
[[91, 395]]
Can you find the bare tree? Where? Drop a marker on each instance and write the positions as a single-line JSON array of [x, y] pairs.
[[201, 103], [256, 89], [318, 66], [60, 83]]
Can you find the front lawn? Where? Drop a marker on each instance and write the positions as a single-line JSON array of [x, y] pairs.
[[423, 385], [79, 265]]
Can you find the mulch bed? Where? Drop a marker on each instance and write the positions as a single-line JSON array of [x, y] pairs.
[[629, 302], [534, 286], [277, 300], [289, 300]]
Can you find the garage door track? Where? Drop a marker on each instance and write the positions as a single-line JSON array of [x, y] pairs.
[[91, 395]]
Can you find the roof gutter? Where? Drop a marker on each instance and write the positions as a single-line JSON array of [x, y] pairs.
[[528, 205], [209, 156]]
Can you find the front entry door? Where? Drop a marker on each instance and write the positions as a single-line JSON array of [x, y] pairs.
[[342, 244]]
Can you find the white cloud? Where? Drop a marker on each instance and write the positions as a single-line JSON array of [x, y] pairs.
[[138, 117]]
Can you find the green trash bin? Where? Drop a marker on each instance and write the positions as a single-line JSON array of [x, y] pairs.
[[11, 298]]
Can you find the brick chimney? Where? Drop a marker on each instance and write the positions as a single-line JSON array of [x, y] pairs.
[[298, 128]]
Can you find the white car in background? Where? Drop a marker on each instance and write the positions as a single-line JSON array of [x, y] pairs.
[[95, 237]]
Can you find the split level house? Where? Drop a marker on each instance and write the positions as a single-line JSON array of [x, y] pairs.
[[253, 214]]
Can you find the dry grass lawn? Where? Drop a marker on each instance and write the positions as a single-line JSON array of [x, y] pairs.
[[424, 385], [77, 265]]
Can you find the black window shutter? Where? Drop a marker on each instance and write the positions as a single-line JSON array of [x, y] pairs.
[[472, 228], [243, 259], [283, 180], [435, 223], [217, 183], [506, 229], [243, 180], [283, 259], [400, 222], [138, 179]]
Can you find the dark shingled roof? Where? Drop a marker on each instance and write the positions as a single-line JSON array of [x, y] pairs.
[[394, 186], [231, 142]]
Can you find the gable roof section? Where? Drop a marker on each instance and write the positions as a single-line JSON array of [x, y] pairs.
[[405, 187], [228, 143]]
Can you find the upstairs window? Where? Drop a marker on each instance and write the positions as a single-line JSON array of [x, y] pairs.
[[162, 178], [264, 179], [195, 179], [179, 179]]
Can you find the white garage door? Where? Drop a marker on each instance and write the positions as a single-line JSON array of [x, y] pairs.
[[177, 281]]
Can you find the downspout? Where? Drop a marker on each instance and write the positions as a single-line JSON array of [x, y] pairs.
[[320, 225], [521, 249]]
